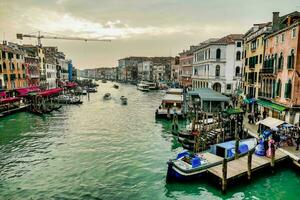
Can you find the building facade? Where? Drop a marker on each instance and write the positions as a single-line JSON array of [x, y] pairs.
[[253, 58], [280, 82], [186, 67], [145, 71], [218, 64], [12, 66]]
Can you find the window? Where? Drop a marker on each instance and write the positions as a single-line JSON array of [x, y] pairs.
[[257, 43], [238, 55], [238, 44], [260, 58], [228, 86], [237, 71], [218, 54], [217, 73], [282, 37], [246, 61], [0, 68], [278, 89], [288, 89], [280, 61], [3, 54], [293, 32], [4, 65], [277, 39], [267, 42], [291, 59]]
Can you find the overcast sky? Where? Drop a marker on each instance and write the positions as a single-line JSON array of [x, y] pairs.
[[137, 27]]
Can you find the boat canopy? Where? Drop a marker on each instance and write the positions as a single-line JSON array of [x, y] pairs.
[[50, 92], [271, 105], [172, 98], [233, 111], [23, 92], [207, 94], [2, 94], [175, 91], [9, 100], [271, 122]]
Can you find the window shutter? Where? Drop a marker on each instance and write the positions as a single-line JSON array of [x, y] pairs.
[[289, 62]]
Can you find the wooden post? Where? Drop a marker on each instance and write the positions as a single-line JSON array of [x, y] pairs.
[[224, 179], [250, 153], [237, 142], [272, 156]]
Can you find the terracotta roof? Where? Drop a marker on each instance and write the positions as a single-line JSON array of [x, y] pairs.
[[229, 39]]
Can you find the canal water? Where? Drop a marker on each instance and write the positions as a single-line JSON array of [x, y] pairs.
[[103, 150]]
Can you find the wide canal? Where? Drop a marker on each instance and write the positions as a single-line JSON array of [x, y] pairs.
[[103, 150]]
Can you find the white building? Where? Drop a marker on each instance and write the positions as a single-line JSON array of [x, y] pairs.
[[145, 71], [51, 73], [218, 64], [158, 73]]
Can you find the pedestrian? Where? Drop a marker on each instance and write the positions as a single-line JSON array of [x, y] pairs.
[[264, 114], [297, 139]]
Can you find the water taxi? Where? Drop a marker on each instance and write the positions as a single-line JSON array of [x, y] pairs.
[[116, 86], [152, 86], [172, 103], [190, 166], [107, 96], [143, 87]]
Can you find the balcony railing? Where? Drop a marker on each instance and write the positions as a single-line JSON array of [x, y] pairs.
[[267, 71]]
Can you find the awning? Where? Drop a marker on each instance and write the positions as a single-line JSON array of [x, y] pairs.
[[271, 122], [2, 94], [171, 98], [233, 111], [50, 92], [271, 105], [22, 92], [9, 100], [249, 101]]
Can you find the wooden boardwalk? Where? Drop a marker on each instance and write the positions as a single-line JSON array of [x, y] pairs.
[[239, 167]]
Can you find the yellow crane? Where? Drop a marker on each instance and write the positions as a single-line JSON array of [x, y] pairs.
[[39, 36]]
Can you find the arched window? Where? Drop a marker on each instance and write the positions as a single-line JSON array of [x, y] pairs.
[[238, 55], [291, 59], [4, 65], [288, 89], [12, 66], [218, 54], [280, 61], [0, 68], [237, 71], [217, 73], [278, 89]]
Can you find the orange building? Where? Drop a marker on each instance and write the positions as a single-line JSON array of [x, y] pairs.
[[280, 82]]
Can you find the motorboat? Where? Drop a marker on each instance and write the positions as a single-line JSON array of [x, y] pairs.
[[143, 87], [107, 96], [92, 90], [67, 99], [84, 92], [152, 86], [123, 100], [172, 104], [191, 166], [116, 86], [104, 81]]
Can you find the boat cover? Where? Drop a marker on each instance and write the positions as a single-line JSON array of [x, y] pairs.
[[271, 122]]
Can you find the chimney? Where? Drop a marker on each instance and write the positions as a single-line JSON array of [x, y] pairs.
[[275, 22]]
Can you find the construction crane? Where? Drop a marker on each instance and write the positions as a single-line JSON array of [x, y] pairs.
[[39, 37]]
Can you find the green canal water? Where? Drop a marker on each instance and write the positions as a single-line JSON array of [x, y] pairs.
[[103, 150]]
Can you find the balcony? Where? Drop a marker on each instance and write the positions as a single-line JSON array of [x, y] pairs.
[[267, 71]]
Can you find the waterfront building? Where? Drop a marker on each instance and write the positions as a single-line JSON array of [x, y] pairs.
[[175, 70], [186, 67], [218, 64], [158, 73], [12, 66], [62, 66], [253, 57], [280, 82], [32, 64], [145, 70], [50, 67]]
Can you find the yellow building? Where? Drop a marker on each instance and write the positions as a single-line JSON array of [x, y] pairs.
[[12, 66], [253, 58]]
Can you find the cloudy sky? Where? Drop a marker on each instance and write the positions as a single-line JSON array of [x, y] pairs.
[[136, 27]]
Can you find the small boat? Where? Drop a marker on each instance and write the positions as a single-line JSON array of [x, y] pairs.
[[66, 99], [92, 90], [152, 86], [123, 100], [143, 87], [116, 86], [84, 92], [190, 166], [107, 96], [104, 81]]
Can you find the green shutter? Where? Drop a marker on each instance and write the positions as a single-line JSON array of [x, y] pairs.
[[289, 62]]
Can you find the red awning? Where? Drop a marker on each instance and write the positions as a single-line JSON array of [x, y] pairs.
[[3, 94], [24, 91], [50, 92], [9, 100], [71, 84]]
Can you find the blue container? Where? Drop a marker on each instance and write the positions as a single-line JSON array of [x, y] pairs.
[[196, 162], [182, 154], [243, 148]]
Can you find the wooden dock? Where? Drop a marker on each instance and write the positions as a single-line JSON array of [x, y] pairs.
[[244, 166], [12, 111]]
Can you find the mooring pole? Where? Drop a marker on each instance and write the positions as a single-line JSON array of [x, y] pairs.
[[224, 179], [272, 156], [250, 153], [237, 142]]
